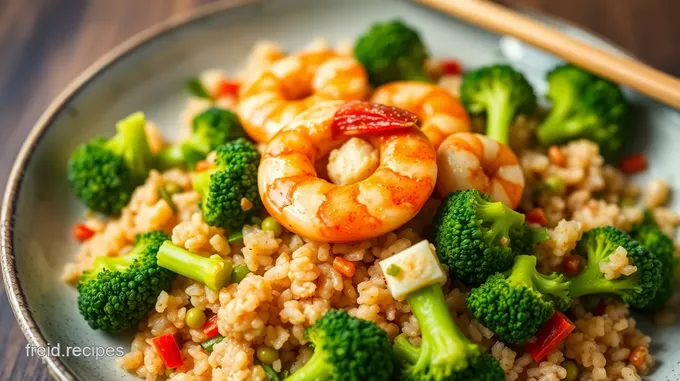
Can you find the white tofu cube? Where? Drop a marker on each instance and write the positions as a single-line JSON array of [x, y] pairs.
[[412, 269]]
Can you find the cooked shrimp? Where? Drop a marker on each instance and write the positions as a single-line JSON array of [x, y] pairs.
[[295, 83], [441, 113], [315, 208], [473, 161]]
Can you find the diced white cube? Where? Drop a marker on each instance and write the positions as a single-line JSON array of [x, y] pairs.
[[416, 267]]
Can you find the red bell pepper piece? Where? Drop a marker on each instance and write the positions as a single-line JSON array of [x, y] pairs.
[[536, 216], [82, 233], [167, 348], [633, 163], [210, 327], [451, 66], [227, 88], [549, 336], [357, 117]]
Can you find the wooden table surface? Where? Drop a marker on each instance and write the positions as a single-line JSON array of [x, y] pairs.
[[44, 44]]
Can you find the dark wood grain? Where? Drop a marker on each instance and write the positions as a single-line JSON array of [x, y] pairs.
[[44, 44]]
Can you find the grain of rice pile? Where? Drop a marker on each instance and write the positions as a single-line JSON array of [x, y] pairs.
[[292, 281]]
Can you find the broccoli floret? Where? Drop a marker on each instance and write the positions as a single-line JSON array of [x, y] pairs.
[[477, 238], [392, 51], [103, 172], [516, 304], [597, 245], [346, 349], [232, 178], [500, 92], [213, 271], [585, 107], [119, 292], [211, 128], [445, 354], [659, 245]]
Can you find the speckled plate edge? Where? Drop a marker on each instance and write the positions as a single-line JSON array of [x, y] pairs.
[[15, 294], [7, 258]]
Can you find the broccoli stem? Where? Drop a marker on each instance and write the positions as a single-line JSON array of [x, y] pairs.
[[171, 157], [130, 142], [201, 182], [443, 343], [592, 281], [499, 117], [498, 218], [213, 271], [523, 270], [316, 368]]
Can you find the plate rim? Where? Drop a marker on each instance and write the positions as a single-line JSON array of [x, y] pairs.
[[17, 300]]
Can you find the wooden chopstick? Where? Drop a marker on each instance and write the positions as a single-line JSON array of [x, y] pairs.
[[626, 71]]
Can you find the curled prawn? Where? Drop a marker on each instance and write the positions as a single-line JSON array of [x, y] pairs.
[[473, 161], [270, 100], [441, 112], [313, 207]]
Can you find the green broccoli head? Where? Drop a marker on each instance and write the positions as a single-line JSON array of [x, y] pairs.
[[516, 304], [445, 354], [119, 292], [500, 92], [477, 238], [585, 107], [233, 178], [346, 349], [597, 245], [211, 128], [392, 51], [103, 173], [661, 246]]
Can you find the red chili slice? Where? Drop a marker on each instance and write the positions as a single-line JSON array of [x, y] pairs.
[[357, 117]]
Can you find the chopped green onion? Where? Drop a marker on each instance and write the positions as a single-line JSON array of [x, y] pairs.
[[173, 188], [269, 371], [210, 343], [627, 201], [195, 88], [235, 237], [163, 193], [393, 270]]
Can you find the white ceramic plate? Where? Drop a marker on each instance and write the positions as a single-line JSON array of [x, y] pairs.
[[149, 73]]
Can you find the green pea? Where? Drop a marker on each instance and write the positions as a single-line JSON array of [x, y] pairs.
[[267, 354], [555, 184], [236, 236], [238, 273], [173, 188], [270, 224], [255, 221], [572, 370], [195, 318]]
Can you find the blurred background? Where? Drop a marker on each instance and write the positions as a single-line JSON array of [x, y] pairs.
[[45, 44]]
